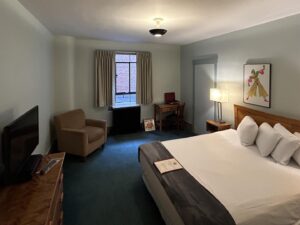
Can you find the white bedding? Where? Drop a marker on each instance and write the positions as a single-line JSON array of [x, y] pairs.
[[255, 190]]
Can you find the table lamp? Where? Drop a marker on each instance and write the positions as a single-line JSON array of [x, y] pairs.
[[219, 96]]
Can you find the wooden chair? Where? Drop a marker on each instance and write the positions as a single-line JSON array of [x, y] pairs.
[[176, 119], [180, 112]]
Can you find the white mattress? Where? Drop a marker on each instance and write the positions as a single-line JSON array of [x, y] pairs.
[[255, 190]]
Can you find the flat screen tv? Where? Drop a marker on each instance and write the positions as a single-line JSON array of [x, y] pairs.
[[19, 140]]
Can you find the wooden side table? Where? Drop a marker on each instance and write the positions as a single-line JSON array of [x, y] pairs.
[[213, 126]]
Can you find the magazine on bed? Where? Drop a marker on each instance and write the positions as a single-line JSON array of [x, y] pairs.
[[167, 165]]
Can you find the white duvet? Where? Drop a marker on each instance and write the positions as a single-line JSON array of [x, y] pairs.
[[255, 190]]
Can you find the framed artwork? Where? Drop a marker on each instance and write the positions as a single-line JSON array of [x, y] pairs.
[[149, 124], [257, 84]]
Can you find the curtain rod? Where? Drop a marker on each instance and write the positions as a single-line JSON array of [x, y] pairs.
[[123, 51], [129, 52]]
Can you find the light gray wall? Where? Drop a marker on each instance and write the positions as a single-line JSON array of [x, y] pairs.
[[277, 43], [166, 74], [64, 73], [26, 77]]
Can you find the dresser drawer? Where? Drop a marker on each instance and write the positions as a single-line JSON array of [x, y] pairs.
[[56, 207], [58, 214]]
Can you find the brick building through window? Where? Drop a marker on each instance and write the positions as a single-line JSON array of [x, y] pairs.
[[125, 82]]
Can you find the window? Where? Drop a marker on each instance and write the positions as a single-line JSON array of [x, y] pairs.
[[125, 82]]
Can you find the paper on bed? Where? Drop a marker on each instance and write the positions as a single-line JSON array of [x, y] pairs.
[[167, 165]]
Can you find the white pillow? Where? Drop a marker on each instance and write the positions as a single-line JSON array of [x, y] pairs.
[[247, 131], [296, 155], [286, 146], [267, 139], [282, 130]]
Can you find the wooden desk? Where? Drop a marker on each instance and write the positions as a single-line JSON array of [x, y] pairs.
[[163, 108], [36, 202]]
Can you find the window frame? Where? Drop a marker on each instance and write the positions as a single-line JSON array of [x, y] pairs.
[[129, 80]]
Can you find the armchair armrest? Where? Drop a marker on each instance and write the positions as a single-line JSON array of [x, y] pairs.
[[74, 141], [97, 123]]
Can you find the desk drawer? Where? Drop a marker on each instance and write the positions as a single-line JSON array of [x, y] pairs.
[[168, 109]]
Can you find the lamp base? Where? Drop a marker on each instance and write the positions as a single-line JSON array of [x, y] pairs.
[[221, 121]]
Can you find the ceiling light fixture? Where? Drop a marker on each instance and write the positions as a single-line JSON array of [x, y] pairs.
[[158, 32]]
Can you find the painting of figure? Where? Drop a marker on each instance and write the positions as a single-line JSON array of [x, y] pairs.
[[257, 84]]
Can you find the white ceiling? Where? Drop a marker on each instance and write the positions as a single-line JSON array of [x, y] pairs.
[[187, 21]]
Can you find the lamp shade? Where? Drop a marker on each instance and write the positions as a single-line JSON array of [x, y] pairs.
[[218, 95]]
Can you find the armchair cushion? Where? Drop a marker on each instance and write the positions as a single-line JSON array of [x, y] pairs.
[[98, 123], [93, 133]]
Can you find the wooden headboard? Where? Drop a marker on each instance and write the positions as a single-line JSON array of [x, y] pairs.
[[240, 112]]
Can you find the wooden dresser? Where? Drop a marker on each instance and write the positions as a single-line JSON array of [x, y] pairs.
[[36, 202]]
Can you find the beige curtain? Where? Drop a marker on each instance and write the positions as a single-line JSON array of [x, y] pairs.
[[144, 78], [104, 73]]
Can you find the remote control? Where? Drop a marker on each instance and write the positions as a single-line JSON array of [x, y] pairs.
[[49, 166]]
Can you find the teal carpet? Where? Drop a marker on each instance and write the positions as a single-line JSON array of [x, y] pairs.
[[108, 188]]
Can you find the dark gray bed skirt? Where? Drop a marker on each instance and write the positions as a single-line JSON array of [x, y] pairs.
[[194, 204]]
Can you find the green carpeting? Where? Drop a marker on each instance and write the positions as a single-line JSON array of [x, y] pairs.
[[108, 188]]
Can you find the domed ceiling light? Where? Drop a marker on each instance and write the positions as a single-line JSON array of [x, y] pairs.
[[158, 32]]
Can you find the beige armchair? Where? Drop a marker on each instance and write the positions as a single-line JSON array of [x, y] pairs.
[[77, 135]]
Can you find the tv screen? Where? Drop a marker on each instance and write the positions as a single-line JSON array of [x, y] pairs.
[[19, 139]]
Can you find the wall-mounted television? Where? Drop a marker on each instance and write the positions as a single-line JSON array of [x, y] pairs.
[[19, 140]]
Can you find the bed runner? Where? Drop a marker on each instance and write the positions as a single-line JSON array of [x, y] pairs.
[[194, 204]]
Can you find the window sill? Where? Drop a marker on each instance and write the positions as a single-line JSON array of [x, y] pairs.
[[124, 105]]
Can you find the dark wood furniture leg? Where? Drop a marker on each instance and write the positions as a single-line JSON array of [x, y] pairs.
[[160, 121], [155, 114]]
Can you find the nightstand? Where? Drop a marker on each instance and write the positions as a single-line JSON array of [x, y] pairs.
[[213, 126]]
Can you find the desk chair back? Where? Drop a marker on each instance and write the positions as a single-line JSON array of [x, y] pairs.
[[180, 112]]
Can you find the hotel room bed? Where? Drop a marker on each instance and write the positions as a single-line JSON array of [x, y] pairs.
[[253, 189]]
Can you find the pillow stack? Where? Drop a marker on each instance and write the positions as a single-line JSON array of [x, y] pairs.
[[286, 147], [276, 141]]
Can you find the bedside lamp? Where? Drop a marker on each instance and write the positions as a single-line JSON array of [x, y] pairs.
[[219, 96]]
